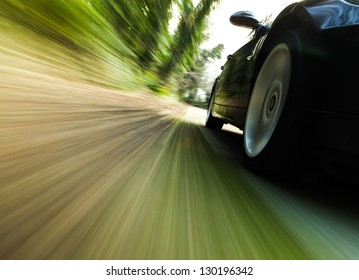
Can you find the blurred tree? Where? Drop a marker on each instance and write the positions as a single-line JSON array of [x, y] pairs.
[[142, 25], [76, 24], [189, 35], [194, 79], [128, 35]]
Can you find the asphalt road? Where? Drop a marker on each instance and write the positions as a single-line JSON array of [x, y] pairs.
[[93, 173]]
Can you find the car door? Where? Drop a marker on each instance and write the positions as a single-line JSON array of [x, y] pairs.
[[233, 85]]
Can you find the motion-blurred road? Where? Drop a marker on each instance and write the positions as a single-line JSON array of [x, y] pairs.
[[93, 173]]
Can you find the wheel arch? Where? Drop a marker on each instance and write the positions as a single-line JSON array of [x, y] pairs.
[[281, 26], [313, 48]]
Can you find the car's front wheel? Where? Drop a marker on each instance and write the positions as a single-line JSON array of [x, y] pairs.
[[270, 128]]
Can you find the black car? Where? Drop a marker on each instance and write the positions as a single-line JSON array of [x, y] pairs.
[[294, 84]]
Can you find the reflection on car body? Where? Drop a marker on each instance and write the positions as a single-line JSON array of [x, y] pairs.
[[293, 84]]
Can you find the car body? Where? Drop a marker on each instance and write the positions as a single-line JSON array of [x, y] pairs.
[[293, 85]]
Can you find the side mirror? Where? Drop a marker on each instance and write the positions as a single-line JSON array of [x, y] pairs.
[[244, 19]]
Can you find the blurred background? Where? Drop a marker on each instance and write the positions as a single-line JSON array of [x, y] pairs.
[[165, 46], [103, 156], [122, 44]]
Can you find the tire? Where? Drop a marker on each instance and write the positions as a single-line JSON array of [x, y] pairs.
[[211, 121], [271, 131]]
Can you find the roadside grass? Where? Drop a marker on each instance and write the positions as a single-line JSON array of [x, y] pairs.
[[72, 36]]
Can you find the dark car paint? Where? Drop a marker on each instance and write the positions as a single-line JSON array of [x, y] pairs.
[[233, 84], [330, 112], [332, 14], [329, 30]]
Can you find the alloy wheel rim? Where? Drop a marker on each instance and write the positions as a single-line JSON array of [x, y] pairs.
[[267, 101]]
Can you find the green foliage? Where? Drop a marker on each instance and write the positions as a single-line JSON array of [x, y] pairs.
[[142, 25], [125, 41], [75, 23], [78, 26], [189, 35]]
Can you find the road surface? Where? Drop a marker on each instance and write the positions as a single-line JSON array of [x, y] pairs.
[[88, 172]]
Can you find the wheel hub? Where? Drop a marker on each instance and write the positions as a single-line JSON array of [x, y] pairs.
[[272, 103], [272, 98]]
